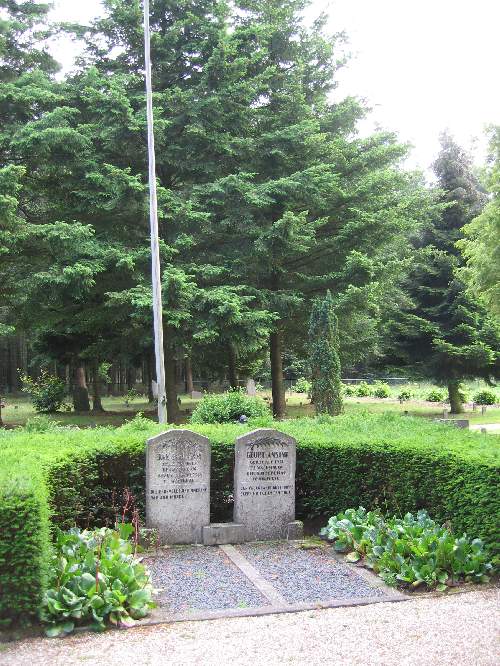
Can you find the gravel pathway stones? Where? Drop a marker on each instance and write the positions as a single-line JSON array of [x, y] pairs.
[[197, 578], [307, 575], [459, 629]]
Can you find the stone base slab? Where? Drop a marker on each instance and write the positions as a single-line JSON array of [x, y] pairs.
[[220, 534], [295, 530]]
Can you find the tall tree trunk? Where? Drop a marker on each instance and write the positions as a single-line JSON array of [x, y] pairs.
[[96, 389], [231, 366], [278, 389], [188, 368], [131, 377], [456, 406], [170, 385], [81, 401], [148, 366]]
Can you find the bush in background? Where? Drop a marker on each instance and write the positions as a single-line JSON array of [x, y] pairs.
[[405, 395], [302, 385], [363, 390], [435, 395], [381, 390], [228, 407], [47, 392], [485, 397], [348, 390]]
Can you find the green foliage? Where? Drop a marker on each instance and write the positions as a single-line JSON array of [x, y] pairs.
[[409, 551], [381, 390], [348, 390], [363, 390], [405, 395], [228, 407], [47, 392], [485, 397], [435, 395], [41, 423], [95, 579], [302, 385], [326, 387], [480, 246]]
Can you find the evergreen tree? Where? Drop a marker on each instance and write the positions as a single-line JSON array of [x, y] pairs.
[[481, 245], [324, 357], [447, 335]]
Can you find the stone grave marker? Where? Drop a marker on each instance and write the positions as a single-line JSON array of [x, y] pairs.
[[251, 388], [196, 394], [178, 485], [264, 484]]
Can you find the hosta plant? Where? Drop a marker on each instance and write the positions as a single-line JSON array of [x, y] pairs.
[[410, 551], [95, 579]]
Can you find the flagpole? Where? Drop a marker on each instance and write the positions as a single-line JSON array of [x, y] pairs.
[[153, 221]]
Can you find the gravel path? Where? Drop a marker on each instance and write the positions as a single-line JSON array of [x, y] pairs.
[[457, 629], [306, 575], [195, 578]]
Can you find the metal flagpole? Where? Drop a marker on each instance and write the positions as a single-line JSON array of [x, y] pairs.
[[153, 221]]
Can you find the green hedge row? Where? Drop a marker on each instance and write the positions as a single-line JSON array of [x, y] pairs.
[[77, 476]]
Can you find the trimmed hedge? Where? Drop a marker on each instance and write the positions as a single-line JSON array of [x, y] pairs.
[[401, 464]]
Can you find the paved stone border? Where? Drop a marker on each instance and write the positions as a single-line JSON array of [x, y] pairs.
[[264, 586]]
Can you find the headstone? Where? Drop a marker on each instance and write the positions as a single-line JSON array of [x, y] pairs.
[[251, 388], [264, 483], [196, 394], [178, 486]]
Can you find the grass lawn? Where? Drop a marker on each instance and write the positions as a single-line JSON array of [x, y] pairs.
[[19, 409]]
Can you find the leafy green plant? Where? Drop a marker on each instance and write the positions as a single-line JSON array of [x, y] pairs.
[[95, 578], [47, 392], [363, 390], [409, 551], [485, 397], [227, 407], [348, 390], [302, 385], [130, 396], [435, 395], [382, 390], [405, 395]]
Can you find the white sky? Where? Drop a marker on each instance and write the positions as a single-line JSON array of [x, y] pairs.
[[423, 65]]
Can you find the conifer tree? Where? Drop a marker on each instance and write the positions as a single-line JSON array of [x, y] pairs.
[[324, 357], [447, 335]]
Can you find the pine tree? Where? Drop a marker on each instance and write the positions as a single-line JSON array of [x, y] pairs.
[[324, 357], [447, 335]]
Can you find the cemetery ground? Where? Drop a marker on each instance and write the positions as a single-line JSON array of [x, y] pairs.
[[459, 629], [18, 410]]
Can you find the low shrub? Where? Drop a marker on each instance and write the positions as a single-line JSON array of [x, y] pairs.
[[381, 390], [485, 397], [47, 392], [302, 385], [405, 395], [409, 551], [228, 407], [95, 579], [435, 395], [363, 390], [348, 390]]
